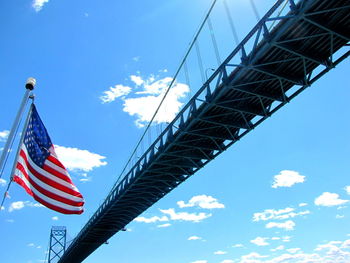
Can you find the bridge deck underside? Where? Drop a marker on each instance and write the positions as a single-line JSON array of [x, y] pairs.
[[281, 65]]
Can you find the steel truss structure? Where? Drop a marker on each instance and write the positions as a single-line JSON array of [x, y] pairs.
[[57, 243], [287, 53]]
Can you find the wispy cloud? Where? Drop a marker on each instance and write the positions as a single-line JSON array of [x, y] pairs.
[[238, 245], [260, 241], [272, 214], [287, 178], [329, 199], [194, 238], [220, 252], [146, 96], [79, 160], [3, 135], [184, 216], [288, 225], [39, 4], [252, 257], [164, 225], [200, 261], [281, 247], [21, 204], [347, 189], [85, 178], [2, 182], [55, 218], [152, 219], [293, 250], [202, 201], [113, 93]]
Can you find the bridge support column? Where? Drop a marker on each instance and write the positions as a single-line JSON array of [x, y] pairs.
[[57, 243]]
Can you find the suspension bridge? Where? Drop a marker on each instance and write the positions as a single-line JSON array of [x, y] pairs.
[[293, 45]]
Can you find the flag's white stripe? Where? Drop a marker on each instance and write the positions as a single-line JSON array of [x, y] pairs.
[[46, 174], [46, 186], [46, 198], [57, 168]]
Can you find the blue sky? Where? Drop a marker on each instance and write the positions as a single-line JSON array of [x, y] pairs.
[[280, 195]]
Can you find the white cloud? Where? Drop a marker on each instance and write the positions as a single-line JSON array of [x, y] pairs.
[[30, 245], [227, 261], [341, 207], [21, 204], [116, 92], [10, 220], [2, 182], [260, 241], [76, 159], [200, 261], [281, 247], [251, 258], [137, 80], [136, 59], [164, 225], [194, 238], [38, 4], [288, 225], [144, 107], [329, 199], [220, 252], [271, 214], [3, 135], [202, 201], [293, 250], [143, 102], [237, 245], [286, 238], [339, 216], [85, 178], [184, 216], [302, 204], [55, 218], [287, 178], [152, 219], [347, 189]]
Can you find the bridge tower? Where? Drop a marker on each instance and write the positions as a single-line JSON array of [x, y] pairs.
[[57, 243]]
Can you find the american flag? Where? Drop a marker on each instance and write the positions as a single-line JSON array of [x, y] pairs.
[[41, 174]]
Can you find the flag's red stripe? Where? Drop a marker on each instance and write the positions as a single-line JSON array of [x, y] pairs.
[[57, 173], [51, 206], [49, 194], [19, 181], [55, 161], [47, 180]]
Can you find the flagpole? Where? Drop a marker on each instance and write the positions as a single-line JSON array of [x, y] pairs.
[[29, 87], [18, 149]]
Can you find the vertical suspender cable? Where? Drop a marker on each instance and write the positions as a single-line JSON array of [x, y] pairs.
[[232, 26], [216, 49], [252, 3], [187, 77], [200, 62]]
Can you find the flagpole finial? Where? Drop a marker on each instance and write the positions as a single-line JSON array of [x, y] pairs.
[[30, 83]]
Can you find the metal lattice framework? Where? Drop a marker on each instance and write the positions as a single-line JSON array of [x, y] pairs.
[[57, 243], [279, 58]]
